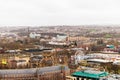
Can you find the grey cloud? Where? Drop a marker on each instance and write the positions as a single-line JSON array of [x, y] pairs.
[[59, 12]]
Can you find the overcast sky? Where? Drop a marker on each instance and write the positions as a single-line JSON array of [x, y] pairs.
[[58, 12]]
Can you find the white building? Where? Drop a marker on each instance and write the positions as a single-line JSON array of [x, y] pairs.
[[61, 37], [34, 35]]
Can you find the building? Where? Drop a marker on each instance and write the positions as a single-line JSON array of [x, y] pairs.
[[90, 75], [61, 37], [46, 73], [34, 35], [77, 38], [57, 43], [16, 62]]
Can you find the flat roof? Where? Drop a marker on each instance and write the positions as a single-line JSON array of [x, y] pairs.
[[98, 60]]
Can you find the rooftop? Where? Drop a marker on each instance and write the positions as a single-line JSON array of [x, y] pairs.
[[98, 60], [90, 74]]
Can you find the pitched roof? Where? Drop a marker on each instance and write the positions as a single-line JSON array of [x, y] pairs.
[[90, 74]]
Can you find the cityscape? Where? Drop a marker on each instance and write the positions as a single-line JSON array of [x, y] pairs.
[[85, 52], [59, 39]]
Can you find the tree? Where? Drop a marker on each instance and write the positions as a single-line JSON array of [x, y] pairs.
[[100, 41]]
